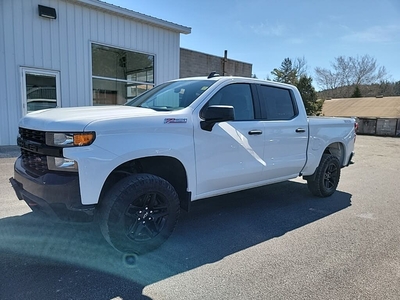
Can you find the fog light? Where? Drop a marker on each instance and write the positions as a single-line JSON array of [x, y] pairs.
[[61, 164]]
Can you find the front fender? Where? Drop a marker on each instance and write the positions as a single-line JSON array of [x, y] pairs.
[[97, 161]]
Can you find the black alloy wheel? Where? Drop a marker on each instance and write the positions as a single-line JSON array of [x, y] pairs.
[[331, 178], [146, 217]]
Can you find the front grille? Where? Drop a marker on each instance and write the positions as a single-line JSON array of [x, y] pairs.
[[34, 162], [32, 135]]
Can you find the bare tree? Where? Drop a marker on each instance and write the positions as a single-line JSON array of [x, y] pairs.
[[350, 71], [366, 70], [326, 79], [345, 69], [300, 66]]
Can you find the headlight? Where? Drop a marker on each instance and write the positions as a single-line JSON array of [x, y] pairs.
[[64, 139], [61, 164]]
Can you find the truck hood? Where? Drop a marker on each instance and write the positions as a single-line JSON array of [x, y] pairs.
[[77, 118]]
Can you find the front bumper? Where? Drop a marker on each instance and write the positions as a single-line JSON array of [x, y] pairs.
[[55, 194]]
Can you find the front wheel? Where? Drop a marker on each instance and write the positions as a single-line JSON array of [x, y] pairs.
[[139, 213], [324, 181]]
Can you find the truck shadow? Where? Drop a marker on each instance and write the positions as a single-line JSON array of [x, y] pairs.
[[215, 228]]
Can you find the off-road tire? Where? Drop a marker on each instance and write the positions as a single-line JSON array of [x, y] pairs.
[[139, 213], [324, 181]]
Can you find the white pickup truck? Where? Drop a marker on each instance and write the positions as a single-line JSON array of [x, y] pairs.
[[135, 166]]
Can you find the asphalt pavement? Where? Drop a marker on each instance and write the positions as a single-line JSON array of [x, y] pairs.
[[274, 242]]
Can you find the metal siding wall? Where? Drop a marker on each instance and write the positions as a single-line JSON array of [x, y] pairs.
[[64, 45], [168, 57], [10, 51], [4, 105]]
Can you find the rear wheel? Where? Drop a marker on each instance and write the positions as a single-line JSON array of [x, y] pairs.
[[139, 213], [324, 181]]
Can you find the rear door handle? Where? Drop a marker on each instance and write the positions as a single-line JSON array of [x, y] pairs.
[[255, 132], [300, 130]]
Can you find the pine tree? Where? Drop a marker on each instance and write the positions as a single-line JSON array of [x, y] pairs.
[[286, 73], [356, 93], [311, 103]]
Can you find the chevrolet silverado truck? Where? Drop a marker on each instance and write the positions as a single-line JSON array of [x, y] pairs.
[[132, 168]]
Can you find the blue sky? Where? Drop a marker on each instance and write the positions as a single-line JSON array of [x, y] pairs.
[[264, 32]]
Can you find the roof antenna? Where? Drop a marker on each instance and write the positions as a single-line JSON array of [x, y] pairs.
[[213, 74]]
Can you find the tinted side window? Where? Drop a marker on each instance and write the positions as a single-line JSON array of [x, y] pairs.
[[237, 95], [277, 103]]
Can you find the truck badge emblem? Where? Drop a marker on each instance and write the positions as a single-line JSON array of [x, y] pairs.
[[173, 120]]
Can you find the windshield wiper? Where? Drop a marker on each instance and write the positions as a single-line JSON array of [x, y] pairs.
[[162, 108]]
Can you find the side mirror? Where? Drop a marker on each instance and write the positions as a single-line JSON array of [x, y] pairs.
[[216, 113]]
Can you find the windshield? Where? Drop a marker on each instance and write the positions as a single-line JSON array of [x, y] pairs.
[[171, 95]]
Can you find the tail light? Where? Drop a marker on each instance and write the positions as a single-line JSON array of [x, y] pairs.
[[355, 130]]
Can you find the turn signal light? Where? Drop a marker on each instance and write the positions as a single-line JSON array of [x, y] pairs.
[[83, 139]]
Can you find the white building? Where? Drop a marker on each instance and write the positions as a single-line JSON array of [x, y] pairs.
[[78, 52]]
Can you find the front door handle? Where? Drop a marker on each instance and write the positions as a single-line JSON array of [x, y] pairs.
[[300, 130], [255, 132]]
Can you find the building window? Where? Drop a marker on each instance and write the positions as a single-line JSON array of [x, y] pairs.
[[119, 75], [40, 89]]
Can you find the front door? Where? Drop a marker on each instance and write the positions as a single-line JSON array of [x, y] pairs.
[[231, 154]]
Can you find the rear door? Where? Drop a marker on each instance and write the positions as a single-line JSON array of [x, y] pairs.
[[285, 132], [231, 154]]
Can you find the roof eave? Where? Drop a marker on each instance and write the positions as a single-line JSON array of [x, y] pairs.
[[100, 5]]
